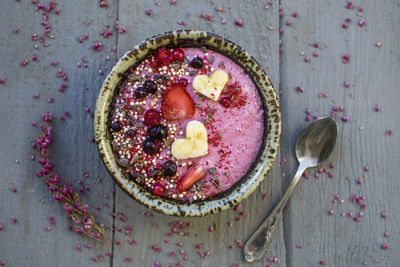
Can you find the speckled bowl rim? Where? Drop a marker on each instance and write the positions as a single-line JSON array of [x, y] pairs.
[[272, 120]]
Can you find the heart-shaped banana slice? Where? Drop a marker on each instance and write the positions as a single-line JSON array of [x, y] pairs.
[[211, 86], [194, 145]]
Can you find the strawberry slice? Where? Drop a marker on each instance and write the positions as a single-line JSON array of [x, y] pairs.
[[194, 174], [177, 103]]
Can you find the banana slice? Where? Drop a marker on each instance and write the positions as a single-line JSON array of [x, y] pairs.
[[211, 86], [194, 145]]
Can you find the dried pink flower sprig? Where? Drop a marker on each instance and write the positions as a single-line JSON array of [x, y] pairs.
[[63, 191]]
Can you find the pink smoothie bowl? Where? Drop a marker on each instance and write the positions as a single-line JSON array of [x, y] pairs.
[[271, 120]]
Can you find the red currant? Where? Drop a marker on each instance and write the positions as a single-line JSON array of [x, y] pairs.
[[164, 56], [158, 190], [178, 54]]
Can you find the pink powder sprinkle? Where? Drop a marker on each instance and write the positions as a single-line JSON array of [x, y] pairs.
[[288, 23], [316, 44], [359, 181], [383, 215], [299, 246], [306, 59], [388, 132], [148, 12], [384, 246], [376, 108], [128, 259], [331, 212], [345, 118], [346, 58], [180, 22], [346, 85], [378, 44], [361, 23], [1, 227], [344, 25], [295, 14], [366, 168], [78, 247], [239, 22], [349, 5], [386, 234], [299, 89], [315, 54]]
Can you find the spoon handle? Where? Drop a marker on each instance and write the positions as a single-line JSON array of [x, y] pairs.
[[258, 243]]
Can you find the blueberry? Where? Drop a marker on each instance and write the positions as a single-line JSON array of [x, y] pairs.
[[197, 63], [130, 133], [140, 92], [116, 126], [169, 168], [158, 132], [150, 147], [150, 86]]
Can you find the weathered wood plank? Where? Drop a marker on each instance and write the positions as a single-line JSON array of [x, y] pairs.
[[371, 72], [26, 243], [262, 43]]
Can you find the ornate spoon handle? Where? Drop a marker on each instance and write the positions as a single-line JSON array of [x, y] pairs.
[[258, 243]]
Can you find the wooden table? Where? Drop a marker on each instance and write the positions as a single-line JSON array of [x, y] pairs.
[[307, 235]]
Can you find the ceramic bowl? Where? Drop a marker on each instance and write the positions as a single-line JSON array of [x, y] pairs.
[[272, 122]]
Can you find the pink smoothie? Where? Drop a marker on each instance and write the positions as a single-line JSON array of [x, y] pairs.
[[234, 133]]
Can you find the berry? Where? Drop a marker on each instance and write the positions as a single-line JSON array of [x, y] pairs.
[[150, 86], [151, 117], [177, 103], [164, 56], [183, 82], [116, 126], [140, 92], [158, 190], [225, 101], [158, 132], [178, 55], [194, 174], [131, 133], [150, 147], [169, 168], [197, 63]]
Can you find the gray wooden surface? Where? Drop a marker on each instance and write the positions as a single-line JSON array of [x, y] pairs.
[[308, 236]]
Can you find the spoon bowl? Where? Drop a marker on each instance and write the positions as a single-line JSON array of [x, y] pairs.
[[316, 142], [313, 146]]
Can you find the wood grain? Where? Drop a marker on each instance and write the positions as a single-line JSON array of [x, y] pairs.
[[26, 243], [337, 240]]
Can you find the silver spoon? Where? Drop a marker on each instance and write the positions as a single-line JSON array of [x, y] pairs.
[[313, 146]]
